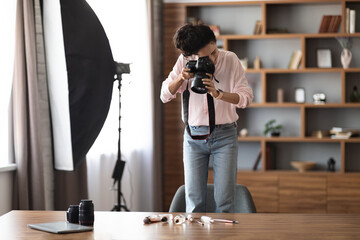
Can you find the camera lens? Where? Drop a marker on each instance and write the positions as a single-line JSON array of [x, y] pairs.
[[86, 213], [72, 214], [197, 85]]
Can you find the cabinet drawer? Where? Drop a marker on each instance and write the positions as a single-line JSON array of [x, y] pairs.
[[343, 194], [302, 194], [264, 190]]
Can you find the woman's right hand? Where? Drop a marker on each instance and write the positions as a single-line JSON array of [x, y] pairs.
[[174, 85], [185, 74]]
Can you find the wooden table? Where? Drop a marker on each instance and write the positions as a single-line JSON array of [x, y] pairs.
[[129, 225]]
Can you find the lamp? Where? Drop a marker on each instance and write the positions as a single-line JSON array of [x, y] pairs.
[[120, 164]]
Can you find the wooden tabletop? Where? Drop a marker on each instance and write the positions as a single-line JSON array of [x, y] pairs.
[[129, 225]]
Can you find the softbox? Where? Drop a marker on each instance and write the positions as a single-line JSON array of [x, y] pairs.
[[80, 69]]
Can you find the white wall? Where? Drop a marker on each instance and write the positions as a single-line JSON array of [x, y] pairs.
[[6, 188]]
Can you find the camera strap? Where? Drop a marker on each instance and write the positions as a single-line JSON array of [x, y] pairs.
[[211, 111]]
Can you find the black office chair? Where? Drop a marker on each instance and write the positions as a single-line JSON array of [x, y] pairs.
[[243, 200]]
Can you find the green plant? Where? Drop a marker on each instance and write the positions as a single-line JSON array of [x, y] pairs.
[[271, 127]]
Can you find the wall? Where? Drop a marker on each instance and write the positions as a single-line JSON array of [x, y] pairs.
[[6, 186]]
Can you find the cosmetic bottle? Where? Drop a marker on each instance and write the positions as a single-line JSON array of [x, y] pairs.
[[179, 219]]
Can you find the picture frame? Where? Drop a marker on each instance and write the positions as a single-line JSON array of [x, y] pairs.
[[323, 58], [299, 95]]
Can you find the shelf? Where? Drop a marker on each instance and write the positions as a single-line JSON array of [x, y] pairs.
[[296, 139], [276, 105], [286, 35], [285, 172], [332, 105], [294, 171], [301, 70], [306, 105]]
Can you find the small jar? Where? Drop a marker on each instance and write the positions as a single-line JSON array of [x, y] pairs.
[[86, 213], [72, 214]]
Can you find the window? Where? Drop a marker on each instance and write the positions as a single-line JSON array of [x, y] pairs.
[[7, 49]]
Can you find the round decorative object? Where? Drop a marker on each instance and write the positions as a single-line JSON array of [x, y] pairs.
[[346, 56], [243, 132], [302, 166], [319, 98]]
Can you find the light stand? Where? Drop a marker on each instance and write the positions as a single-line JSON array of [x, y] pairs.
[[120, 164]]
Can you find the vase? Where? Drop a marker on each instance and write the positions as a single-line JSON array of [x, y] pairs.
[[275, 134], [346, 56]]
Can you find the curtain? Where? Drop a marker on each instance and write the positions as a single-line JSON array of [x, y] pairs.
[[71, 187], [128, 25], [30, 135], [155, 27]]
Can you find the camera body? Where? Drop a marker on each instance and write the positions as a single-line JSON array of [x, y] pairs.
[[200, 67]]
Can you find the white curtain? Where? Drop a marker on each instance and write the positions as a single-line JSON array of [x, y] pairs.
[[7, 46], [125, 23]]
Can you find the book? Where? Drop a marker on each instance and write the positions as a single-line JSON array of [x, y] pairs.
[[344, 133], [325, 22], [330, 24], [257, 161], [258, 27], [334, 25], [347, 20], [337, 23], [352, 16], [295, 59], [343, 130]]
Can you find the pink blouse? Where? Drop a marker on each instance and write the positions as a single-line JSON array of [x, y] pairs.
[[231, 77]]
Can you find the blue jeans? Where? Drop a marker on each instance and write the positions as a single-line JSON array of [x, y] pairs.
[[222, 145]]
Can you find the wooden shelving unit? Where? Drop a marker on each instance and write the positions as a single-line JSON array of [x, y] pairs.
[[273, 189]]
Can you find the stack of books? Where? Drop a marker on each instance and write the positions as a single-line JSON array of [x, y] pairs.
[[350, 20], [343, 133], [330, 24]]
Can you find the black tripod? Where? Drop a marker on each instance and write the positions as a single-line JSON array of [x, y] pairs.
[[120, 164]]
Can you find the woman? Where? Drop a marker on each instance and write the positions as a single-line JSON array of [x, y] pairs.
[[229, 88]]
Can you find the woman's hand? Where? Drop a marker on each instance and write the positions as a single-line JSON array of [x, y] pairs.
[[174, 85], [209, 84], [185, 74]]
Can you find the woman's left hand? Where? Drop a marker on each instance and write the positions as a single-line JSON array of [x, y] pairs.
[[209, 84]]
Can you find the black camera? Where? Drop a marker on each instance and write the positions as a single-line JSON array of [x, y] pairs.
[[200, 67]]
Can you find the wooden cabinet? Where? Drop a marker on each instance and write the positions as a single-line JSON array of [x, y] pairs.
[[287, 26], [263, 188], [302, 193], [343, 193]]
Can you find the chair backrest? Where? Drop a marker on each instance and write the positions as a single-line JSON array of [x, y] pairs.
[[243, 200]]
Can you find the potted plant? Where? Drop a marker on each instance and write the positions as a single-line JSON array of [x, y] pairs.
[[271, 128]]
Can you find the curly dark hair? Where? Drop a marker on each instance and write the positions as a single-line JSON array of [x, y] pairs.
[[189, 39]]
